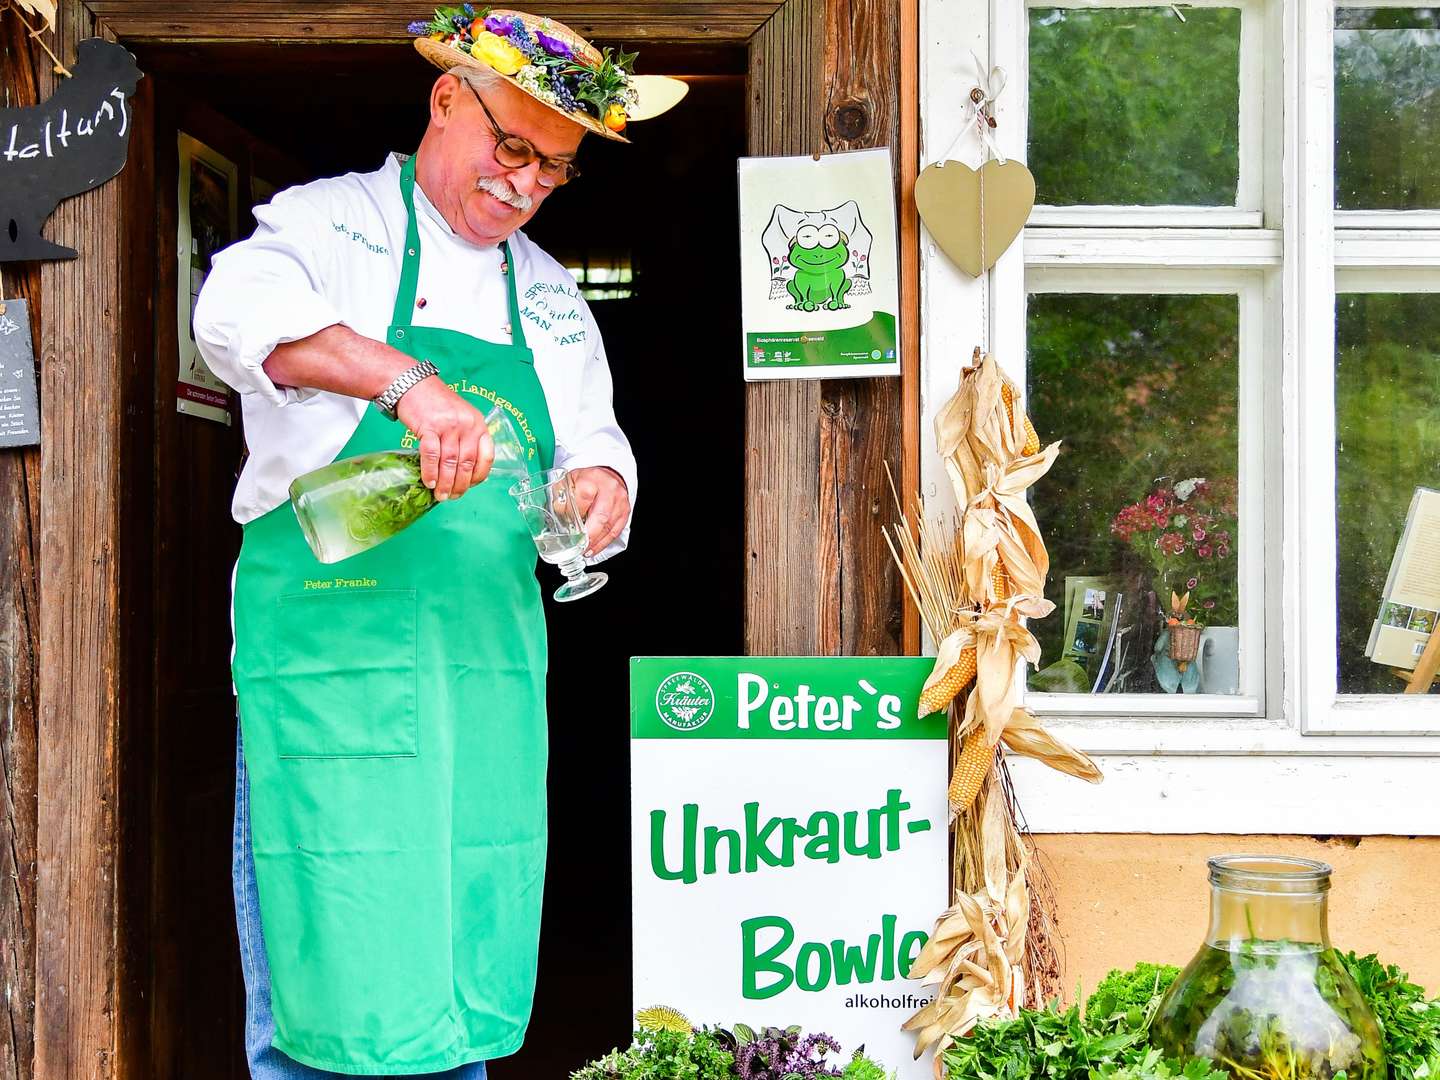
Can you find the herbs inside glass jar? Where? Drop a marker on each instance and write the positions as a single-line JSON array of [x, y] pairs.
[[1271, 1010]]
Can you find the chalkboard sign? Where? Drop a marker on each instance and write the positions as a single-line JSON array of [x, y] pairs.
[[19, 408], [72, 142]]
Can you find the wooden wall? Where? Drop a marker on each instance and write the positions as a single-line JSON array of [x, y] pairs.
[[825, 76], [19, 614]]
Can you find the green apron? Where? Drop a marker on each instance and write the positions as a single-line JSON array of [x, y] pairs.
[[393, 714]]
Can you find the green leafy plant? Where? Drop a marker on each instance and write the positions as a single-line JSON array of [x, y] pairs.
[[1409, 1024], [1055, 1044], [1110, 1041], [1122, 991], [664, 1055]]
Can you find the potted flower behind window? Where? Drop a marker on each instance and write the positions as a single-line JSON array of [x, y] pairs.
[[1186, 533]]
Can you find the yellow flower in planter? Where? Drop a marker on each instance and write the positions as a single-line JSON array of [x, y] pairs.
[[663, 1018], [498, 53]]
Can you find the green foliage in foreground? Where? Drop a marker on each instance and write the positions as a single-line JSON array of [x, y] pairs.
[[701, 1055], [1111, 1041], [1129, 993], [663, 1055], [1409, 1024]]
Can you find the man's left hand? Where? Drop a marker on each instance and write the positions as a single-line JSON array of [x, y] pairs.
[[605, 503]]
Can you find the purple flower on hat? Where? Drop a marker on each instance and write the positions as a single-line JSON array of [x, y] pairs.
[[497, 24], [419, 26], [554, 46]]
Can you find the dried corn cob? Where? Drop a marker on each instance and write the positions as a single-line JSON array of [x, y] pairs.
[[1032, 440], [971, 768], [1000, 581], [960, 675]]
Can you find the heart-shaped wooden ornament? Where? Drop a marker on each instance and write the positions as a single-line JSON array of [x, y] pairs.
[[947, 194]]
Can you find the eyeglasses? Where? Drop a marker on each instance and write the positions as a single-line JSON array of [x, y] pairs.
[[516, 151]]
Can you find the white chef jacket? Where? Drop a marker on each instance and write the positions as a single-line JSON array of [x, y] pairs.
[[330, 252]]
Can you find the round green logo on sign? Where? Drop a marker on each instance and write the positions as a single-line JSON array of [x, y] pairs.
[[685, 701]]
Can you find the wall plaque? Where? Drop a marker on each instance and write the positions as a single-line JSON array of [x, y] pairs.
[[19, 404]]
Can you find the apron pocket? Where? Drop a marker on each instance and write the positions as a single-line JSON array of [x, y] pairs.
[[345, 674]]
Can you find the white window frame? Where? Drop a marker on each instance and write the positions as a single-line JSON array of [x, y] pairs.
[[1247, 209], [1257, 415], [1261, 769]]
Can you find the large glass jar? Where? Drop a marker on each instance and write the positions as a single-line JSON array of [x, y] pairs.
[[1266, 998]]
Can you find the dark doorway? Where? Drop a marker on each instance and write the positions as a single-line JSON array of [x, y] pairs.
[[660, 213]]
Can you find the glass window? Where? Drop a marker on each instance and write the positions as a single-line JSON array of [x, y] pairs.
[[1144, 391], [1387, 428], [1387, 108], [1135, 106]]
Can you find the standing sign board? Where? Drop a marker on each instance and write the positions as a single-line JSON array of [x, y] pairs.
[[819, 280], [788, 842], [209, 198]]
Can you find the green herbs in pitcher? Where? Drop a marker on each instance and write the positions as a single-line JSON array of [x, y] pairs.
[[1271, 1010], [354, 504]]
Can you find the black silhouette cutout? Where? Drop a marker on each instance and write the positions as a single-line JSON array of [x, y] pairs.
[[72, 142]]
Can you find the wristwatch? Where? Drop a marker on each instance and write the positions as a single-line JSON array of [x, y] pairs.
[[389, 399]]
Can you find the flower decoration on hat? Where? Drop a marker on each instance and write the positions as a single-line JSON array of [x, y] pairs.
[[542, 57]]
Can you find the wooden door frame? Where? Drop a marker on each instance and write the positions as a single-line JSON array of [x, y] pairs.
[[824, 75]]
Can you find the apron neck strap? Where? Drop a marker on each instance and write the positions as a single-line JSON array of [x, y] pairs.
[[410, 267]]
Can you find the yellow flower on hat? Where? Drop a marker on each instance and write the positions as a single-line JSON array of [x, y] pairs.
[[498, 53], [615, 118]]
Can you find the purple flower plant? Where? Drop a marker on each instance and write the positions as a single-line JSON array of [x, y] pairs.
[[771, 1058]]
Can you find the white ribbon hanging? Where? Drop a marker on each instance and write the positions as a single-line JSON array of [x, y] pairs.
[[980, 110]]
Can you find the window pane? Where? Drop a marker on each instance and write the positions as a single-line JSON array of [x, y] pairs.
[[1133, 106], [1387, 108], [1387, 427], [1144, 392]]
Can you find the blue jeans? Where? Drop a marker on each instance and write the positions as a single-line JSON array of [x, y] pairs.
[[266, 1062]]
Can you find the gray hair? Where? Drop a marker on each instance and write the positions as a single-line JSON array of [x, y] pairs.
[[478, 77]]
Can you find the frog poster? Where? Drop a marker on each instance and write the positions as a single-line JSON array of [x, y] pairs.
[[818, 273]]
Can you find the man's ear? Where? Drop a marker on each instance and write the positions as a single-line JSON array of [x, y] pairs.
[[442, 98]]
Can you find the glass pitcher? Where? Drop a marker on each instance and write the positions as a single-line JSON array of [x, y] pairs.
[[1266, 998], [353, 504]]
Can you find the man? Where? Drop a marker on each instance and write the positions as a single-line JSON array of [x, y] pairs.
[[390, 791]]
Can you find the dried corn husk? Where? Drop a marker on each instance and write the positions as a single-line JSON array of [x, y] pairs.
[[978, 945], [975, 587], [1023, 735], [1001, 640]]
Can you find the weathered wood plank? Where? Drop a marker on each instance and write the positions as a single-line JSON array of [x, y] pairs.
[[785, 604], [819, 578], [862, 110], [139, 824], [142, 21], [81, 422], [19, 655]]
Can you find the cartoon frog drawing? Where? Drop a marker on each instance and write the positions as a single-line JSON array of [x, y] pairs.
[[819, 254]]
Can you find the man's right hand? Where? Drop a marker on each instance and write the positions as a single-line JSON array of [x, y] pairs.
[[456, 451], [455, 447]]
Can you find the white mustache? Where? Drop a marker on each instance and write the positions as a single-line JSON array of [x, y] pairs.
[[493, 185]]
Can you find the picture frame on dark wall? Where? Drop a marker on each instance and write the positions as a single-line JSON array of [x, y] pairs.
[[207, 222]]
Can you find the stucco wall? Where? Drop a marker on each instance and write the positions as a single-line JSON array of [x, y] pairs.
[[1125, 898]]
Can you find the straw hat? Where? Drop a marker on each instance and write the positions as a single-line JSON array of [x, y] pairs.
[[501, 41]]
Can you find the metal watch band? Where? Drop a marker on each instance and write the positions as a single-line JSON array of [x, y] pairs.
[[389, 398]]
